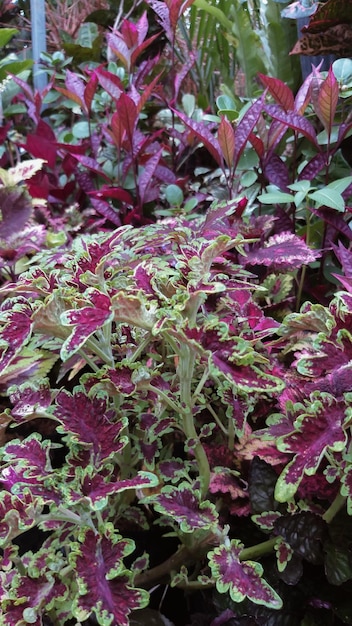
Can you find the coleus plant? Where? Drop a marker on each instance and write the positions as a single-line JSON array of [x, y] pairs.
[[146, 393]]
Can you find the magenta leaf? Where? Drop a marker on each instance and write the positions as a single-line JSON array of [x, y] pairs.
[[34, 597], [183, 505], [245, 127], [318, 427], [17, 514], [241, 579], [294, 121], [96, 487], [16, 209], [204, 135], [284, 251], [284, 554], [92, 424], [279, 91], [85, 321], [16, 328], [104, 584]]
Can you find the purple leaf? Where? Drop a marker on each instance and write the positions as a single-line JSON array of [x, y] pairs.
[[276, 171], [203, 134], [245, 127], [241, 579], [345, 257], [92, 423], [104, 588], [183, 505], [318, 427], [16, 209], [85, 321], [146, 176], [17, 514], [97, 488], [15, 318], [284, 251], [294, 121], [34, 597]]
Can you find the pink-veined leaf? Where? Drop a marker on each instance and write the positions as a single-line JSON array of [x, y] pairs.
[[103, 580], [279, 91], [226, 138], [284, 251], [241, 579]]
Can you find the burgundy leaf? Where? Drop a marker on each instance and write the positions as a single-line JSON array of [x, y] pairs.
[[276, 171], [111, 83], [313, 167], [92, 423], [241, 579], [104, 586], [146, 176], [34, 597], [15, 319], [85, 321], [183, 505], [17, 514], [279, 91], [318, 427]]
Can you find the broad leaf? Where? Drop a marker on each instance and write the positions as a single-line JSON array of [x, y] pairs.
[[104, 584], [241, 579]]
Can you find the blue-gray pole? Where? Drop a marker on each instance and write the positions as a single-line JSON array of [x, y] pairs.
[[38, 28]]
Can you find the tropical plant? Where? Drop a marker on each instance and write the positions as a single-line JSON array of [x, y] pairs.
[[173, 390]]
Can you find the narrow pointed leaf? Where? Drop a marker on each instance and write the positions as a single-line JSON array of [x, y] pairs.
[[226, 138]]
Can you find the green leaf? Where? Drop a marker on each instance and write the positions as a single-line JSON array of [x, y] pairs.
[[275, 197], [342, 69], [174, 195], [6, 35], [328, 197]]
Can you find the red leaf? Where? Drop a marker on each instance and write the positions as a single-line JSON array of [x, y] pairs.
[[226, 137], [110, 83], [279, 91], [128, 114], [327, 101], [90, 90]]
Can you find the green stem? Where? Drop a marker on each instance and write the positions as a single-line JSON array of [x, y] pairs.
[[185, 372], [334, 508], [260, 549]]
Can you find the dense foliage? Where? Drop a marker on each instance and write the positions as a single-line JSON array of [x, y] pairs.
[[175, 340]]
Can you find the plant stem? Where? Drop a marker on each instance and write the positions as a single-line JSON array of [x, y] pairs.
[[185, 372], [334, 508]]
